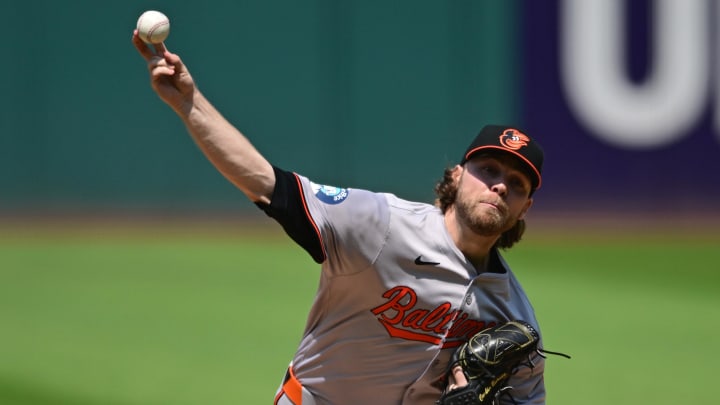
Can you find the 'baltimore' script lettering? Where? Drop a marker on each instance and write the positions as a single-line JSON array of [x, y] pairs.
[[403, 320]]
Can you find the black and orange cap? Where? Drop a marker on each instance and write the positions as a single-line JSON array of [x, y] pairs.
[[514, 141]]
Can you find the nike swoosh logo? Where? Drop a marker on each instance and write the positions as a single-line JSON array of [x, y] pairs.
[[420, 262]]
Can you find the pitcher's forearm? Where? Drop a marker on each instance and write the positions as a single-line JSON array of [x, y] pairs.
[[228, 149]]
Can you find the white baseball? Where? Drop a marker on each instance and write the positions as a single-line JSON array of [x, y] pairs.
[[153, 27]]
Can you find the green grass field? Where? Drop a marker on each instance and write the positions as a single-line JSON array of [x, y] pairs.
[[125, 315]]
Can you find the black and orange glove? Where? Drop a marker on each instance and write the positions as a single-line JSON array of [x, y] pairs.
[[488, 360]]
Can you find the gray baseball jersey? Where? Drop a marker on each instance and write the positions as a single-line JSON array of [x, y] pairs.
[[395, 298]]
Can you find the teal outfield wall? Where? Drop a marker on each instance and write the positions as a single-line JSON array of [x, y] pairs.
[[373, 94]]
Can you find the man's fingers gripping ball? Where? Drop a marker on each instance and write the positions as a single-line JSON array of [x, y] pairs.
[[160, 66]]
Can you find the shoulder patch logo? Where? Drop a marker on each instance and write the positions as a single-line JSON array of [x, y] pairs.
[[513, 139], [329, 194]]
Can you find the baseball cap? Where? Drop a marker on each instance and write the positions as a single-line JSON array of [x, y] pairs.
[[511, 140]]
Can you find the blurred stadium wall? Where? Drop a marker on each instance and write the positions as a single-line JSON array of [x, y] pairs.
[[372, 94]]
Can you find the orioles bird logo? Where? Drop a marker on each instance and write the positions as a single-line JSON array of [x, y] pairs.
[[513, 139]]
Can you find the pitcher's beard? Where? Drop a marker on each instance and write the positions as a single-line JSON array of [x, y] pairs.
[[481, 220]]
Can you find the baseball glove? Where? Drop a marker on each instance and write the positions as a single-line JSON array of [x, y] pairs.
[[488, 360]]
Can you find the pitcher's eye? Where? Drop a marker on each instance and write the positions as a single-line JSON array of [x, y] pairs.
[[518, 184], [489, 169]]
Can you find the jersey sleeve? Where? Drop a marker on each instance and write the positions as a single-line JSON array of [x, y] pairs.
[[343, 227], [288, 208]]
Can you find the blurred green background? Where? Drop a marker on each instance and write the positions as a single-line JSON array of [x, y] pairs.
[[202, 313], [131, 273]]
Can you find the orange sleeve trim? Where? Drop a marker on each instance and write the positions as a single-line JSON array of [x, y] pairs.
[[292, 388]]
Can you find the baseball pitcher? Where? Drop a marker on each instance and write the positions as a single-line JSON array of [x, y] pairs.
[[415, 303]]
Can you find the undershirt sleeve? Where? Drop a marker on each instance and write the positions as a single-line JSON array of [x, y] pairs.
[[288, 208]]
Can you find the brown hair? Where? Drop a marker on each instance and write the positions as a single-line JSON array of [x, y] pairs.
[[446, 192]]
